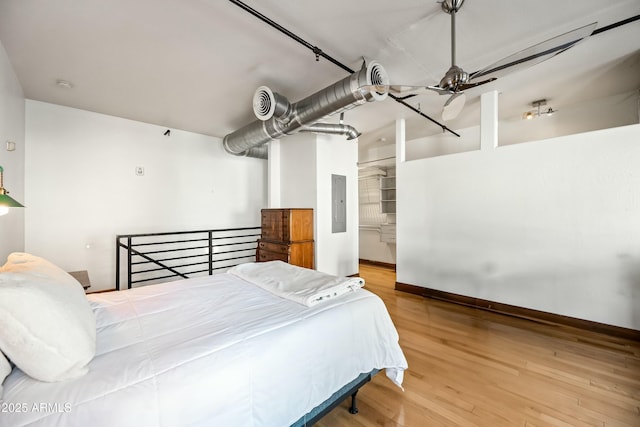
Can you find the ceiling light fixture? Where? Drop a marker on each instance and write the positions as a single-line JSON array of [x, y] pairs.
[[538, 111], [6, 201]]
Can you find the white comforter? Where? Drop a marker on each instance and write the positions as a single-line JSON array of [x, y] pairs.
[[211, 351], [302, 285]]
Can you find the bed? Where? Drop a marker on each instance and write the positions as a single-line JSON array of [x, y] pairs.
[[221, 350]]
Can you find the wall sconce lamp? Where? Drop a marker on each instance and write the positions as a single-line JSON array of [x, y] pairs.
[[6, 201], [538, 111]]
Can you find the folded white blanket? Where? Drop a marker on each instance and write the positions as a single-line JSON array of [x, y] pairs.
[[304, 286]]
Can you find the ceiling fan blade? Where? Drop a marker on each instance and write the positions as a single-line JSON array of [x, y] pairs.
[[536, 53], [401, 90], [405, 92], [453, 106], [407, 89], [441, 91], [472, 85]]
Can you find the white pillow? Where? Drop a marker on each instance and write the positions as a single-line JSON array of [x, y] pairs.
[[5, 370], [48, 327]]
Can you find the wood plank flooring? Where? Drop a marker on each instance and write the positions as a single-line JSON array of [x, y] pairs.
[[469, 367]]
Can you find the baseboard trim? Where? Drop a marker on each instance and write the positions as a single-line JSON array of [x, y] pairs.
[[378, 264], [521, 312]]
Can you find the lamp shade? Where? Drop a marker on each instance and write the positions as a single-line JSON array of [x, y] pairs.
[[8, 202]]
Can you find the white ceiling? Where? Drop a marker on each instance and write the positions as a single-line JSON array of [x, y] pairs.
[[194, 64]]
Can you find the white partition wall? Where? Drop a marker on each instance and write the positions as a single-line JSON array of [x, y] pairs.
[[551, 225]]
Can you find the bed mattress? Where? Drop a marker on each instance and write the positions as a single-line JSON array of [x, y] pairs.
[[211, 351]]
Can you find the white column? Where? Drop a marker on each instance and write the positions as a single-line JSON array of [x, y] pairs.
[[489, 121], [273, 175], [400, 141]]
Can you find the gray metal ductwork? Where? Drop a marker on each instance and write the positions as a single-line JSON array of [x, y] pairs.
[[333, 129], [277, 117]]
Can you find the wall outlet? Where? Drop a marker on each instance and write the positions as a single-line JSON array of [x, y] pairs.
[[139, 170]]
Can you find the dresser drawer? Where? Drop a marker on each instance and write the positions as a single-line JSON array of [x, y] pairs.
[[280, 248], [263, 256]]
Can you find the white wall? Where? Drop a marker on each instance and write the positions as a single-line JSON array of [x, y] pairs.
[[337, 252], [82, 189], [551, 225], [298, 172], [444, 143], [372, 249], [12, 123], [307, 162], [602, 113]]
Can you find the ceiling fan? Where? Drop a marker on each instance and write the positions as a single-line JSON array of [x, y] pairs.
[[456, 80]]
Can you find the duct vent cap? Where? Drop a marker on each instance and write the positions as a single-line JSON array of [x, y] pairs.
[[264, 103], [376, 75]]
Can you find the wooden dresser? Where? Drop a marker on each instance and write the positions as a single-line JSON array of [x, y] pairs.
[[287, 235]]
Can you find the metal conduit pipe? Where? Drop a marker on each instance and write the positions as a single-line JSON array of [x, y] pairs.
[[277, 117]]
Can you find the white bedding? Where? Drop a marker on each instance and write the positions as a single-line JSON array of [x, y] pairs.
[[302, 285], [211, 351]]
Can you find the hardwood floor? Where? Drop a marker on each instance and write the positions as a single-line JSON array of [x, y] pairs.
[[469, 367]]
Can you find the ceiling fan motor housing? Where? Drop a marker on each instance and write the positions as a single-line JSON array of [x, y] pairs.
[[454, 78], [451, 5]]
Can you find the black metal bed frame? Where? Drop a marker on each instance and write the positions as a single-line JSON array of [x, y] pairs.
[[350, 389], [156, 257]]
